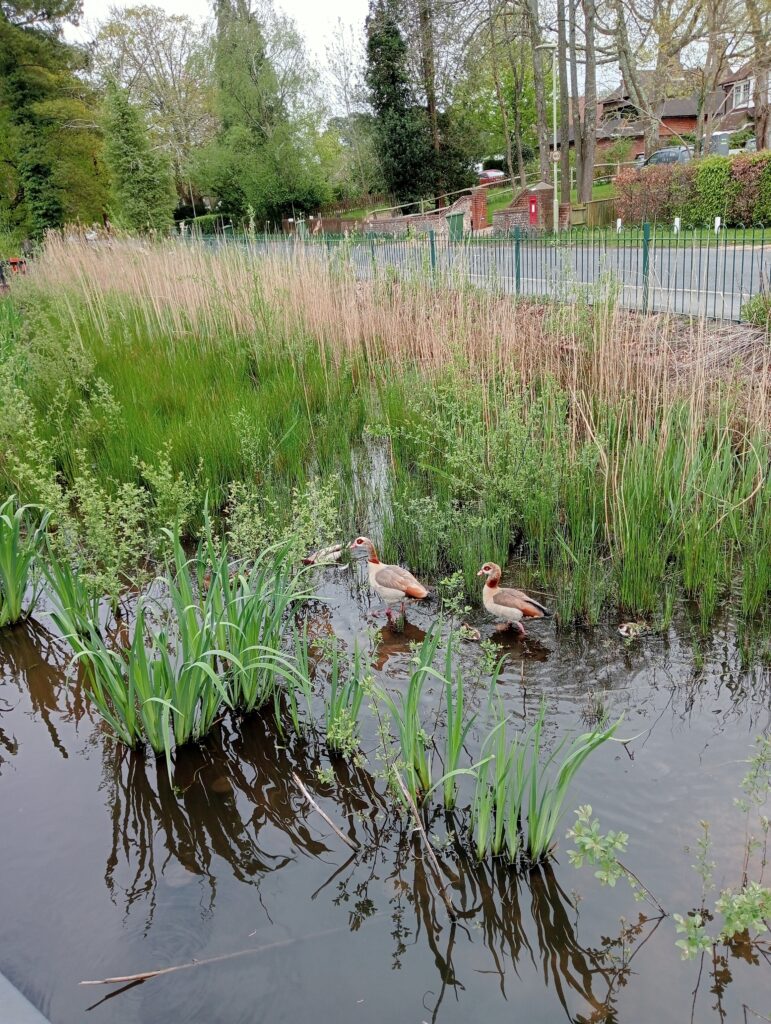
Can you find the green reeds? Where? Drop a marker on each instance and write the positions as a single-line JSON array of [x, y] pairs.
[[343, 702], [408, 722], [457, 725], [22, 535], [518, 800], [78, 604]]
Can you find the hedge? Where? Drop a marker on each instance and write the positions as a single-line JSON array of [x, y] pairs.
[[736, 189]]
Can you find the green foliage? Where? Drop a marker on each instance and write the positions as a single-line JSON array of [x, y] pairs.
[[142, 194], [757, 311], [50, 163], [600, 851], [343, 703], [22, 535], [714, 189], [522, 805]]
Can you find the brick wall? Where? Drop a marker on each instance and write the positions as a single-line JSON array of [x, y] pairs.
[[422, 222]]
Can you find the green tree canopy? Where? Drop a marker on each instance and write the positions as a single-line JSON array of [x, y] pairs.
[[49, 142], [142, 195]]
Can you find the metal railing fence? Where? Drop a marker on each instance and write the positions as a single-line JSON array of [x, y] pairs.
[[694, 272]]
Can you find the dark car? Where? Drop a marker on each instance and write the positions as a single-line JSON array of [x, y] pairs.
[[669, 155]]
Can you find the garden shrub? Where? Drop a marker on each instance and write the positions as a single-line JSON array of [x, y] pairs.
[[714, 191], [746, 172], [762, 213], [736, 189]]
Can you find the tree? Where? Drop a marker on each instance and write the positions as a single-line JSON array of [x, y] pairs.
[[50, 146], [403, 129], [269, 158], [164, 64], [759, 17], [142, 192]]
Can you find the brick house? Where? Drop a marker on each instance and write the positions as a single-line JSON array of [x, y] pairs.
[[618, 118], [738, 99]]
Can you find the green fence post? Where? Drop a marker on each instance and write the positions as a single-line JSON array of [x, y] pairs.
[[432, 249], [517, 259], [372, 253], [646, 264]]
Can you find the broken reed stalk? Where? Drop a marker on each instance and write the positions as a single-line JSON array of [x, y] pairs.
[[341, 835], [431, 856], [128, 979]]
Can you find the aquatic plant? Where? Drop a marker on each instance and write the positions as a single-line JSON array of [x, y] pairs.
[[519, 796], [344, 700], [501, 430], [22, 535], [406, 716]]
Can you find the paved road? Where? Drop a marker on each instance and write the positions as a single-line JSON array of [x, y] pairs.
[[711, 280]]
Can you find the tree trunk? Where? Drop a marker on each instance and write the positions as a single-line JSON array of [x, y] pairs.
[[578, 147], [564, 104], [756, 15], [428, 67], [499, 92], [589, 133], [539, 83], [516, 80]]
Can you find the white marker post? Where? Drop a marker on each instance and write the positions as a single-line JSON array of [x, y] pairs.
[[717, 224], [618, 225], [677, 225]]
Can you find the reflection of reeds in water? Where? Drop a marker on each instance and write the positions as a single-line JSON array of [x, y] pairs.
[[233, 800]]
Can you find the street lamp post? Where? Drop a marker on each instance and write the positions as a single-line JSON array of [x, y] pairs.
[[554, 152]]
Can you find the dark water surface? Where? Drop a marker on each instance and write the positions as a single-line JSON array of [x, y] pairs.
[[106, 870]]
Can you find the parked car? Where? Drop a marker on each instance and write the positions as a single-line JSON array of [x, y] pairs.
[[491, 177], [669, 155]]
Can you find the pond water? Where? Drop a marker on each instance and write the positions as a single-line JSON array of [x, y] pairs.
[[109, 871]]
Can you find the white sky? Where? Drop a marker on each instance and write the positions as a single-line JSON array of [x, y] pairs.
[[315, 18]]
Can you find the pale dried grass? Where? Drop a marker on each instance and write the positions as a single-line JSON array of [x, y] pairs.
[[603, 355]]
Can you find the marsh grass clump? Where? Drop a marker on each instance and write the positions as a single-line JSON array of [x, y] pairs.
[[520, 791], [205, 639], [22, 539], [343, 702]]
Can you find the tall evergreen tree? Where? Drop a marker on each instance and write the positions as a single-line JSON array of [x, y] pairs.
[[403, 128], [142, 191], [50, 163]]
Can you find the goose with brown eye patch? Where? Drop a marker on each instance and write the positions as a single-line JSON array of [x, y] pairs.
[[391, 583], [506, 604]]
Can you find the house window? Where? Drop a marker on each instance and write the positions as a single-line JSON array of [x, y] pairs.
[[742, 93]]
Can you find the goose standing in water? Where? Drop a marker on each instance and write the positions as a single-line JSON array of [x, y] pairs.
[[507, 604], [390, 582]]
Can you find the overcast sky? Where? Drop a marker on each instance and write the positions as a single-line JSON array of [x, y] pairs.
[[315, 18]]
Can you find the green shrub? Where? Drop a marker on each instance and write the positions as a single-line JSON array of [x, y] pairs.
[[715, 190]]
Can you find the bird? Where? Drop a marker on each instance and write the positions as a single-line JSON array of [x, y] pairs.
[[390, 582], [508, 604]]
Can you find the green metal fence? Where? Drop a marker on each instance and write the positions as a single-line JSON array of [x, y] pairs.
[[649, 268]]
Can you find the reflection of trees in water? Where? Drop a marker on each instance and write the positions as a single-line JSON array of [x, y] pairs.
[[36, 662]]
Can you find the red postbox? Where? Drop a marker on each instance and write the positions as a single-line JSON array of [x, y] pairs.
[[533, 211]]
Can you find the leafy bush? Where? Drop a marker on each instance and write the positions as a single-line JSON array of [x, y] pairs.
[[714, 191], [736, 189]]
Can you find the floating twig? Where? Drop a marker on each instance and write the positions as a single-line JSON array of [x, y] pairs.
[[346, 839], [127, 979]]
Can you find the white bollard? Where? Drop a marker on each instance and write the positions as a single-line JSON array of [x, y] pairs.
[[618, 225], [677, 225], [717, 224]]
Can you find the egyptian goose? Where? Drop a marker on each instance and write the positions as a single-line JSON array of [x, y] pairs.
[[390, 582], [504, 603]]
